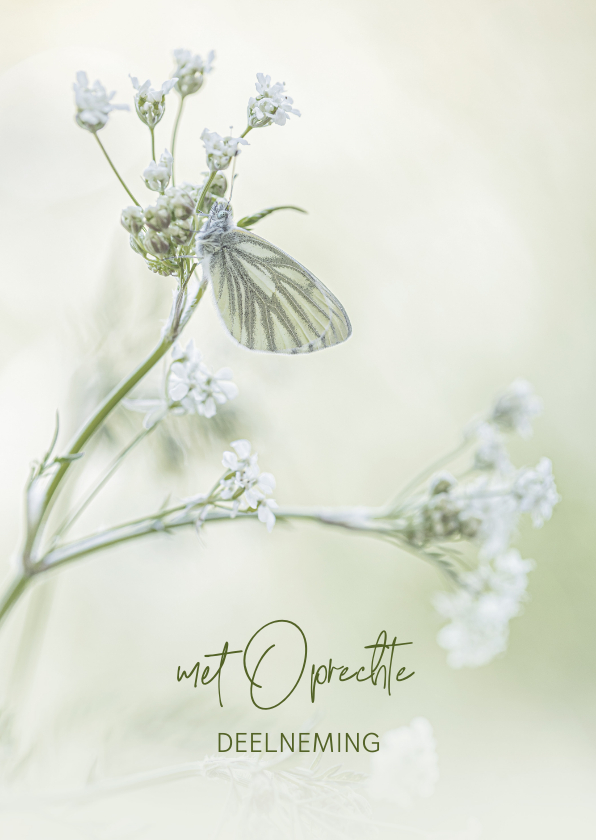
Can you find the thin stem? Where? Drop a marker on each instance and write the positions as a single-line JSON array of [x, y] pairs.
[[69, 522], [152, 130], [425, 474], [104, 409], [116, 173], [246, 130], [12, 595], [174, 135], [205, 190]]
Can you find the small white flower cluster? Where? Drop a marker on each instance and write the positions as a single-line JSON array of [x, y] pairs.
[[220, 150], [190, 71], [516, 408], [481, 609], [483, 508], [271, 105], [245, 485], [150, 104], [406, 767], [192, 388], [157, 175], [93, 103]]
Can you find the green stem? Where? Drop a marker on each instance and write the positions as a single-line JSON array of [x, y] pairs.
[[12, 595], [246, 130], [104, 409], [205, 190], [174, 135], [152, 130], [155, 524], [116, 173]]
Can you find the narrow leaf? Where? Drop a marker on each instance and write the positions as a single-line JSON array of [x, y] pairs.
[[247, 221]]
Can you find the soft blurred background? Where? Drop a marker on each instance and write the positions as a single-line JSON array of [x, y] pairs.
[[445, 156]]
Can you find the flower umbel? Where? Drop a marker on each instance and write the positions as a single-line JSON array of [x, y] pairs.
[[150, 104], [192, 388], [481, 609], [190, 71], [93, 103], [220, 150], [271, 105], [245, 485]]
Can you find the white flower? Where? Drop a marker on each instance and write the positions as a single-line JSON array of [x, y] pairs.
[[149, 103], [406, 767], [265, 513], [220, 150], [271, 105], [191, 71], [246, 485], [480, 611], [491, 453], [516, 408], [537, 491], [93, 103], [192, 388], [154, 410], [157, 175]]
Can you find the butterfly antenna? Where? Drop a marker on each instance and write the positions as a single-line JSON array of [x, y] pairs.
[[232, 180]]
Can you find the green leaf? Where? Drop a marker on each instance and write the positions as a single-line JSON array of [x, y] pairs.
[[67, 459], [247, 221]]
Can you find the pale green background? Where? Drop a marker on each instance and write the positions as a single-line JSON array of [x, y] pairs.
[[446, 157]]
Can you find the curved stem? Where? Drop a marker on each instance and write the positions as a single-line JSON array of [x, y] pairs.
[[174, 135], [12, 595], [104, 409], [205, 190], [116, 173]]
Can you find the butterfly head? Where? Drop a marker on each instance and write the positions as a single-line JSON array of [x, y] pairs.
[[218, 222]]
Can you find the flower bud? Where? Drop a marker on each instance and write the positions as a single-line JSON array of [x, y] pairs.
[[150, 104], [181, 231], [158, 216], [182, 204], [191, 71], [132, 219], [157, 243], [157, 175]]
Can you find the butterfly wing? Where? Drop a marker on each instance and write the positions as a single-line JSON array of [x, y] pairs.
[[269, 301]]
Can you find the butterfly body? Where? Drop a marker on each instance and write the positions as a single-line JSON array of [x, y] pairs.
[[268, 300]]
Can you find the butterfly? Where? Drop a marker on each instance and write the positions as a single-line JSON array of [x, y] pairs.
[[268, 301]]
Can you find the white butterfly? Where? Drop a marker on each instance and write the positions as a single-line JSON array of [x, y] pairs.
[[267, 300]]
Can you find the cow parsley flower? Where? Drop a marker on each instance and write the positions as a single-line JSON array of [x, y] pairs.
[[93, 103], [157, 175], [150, 104], [537, 491], [407, 766], [271, 105], [220, 150], [190, 71], [481, 609], [192, 388], [516, 408]]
